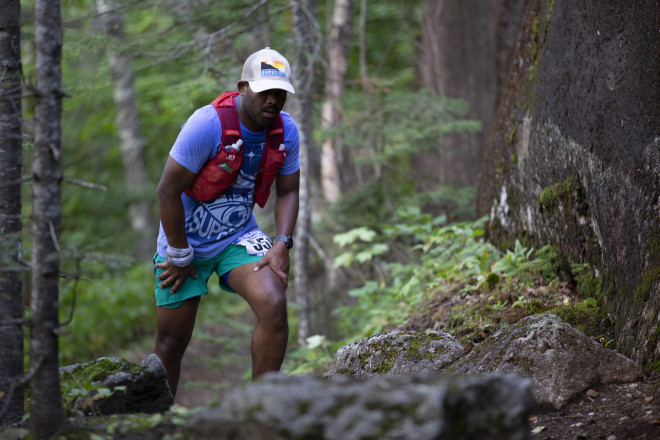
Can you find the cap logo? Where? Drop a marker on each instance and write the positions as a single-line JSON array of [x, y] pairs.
[[273, 68]]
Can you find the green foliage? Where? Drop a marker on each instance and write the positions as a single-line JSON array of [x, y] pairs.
[[181, 62], [358, 252], [589, 284], [315, 356], [392, 32], [391, 124], [382, 131], [112, 309], [526, 265], [444, 255]]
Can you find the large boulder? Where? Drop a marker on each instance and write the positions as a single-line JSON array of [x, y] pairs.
[[117, 386], [559, 359], [574, 155], [281, 407], [398, 352]]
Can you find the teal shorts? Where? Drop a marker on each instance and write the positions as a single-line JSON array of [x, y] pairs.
[[230, 258]]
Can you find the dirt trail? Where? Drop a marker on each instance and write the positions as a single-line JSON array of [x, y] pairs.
[[610, 412], [217, 359]]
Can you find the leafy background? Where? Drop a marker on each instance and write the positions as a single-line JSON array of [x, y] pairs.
[[393, 248]]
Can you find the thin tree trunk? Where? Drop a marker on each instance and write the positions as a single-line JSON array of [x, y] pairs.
[[331, 158], [128, 123], [308, 42], [47, 416], [11, 305], [363, 45]]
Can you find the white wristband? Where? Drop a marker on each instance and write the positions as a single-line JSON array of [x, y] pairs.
[[179, 257]]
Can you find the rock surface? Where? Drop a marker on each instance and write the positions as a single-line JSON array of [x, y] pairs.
[[143, 387], [560, 361], [396, 353], [277, 407], [574, 156]]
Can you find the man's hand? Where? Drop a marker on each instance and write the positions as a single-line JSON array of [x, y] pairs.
[[175, 275], [277, 258]]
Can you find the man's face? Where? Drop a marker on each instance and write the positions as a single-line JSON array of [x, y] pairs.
[[257, 110]]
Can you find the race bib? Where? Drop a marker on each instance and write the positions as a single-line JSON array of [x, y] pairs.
[[255, 242]]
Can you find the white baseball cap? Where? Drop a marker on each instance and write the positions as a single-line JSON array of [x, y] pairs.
[[267, 69]]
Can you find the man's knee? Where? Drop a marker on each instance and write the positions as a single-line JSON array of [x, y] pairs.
[[272, 310], [171, 345]]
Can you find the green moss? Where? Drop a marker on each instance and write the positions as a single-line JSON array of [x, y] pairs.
[[586, 316], [512, 135], [536, 307], [387, 364], [540, 26], [85, 377], [413, 353], [492, 279], [651, 275], [97, 371], [560, 193], [588, 284], [652, 367], [392, 350], [649, 278]]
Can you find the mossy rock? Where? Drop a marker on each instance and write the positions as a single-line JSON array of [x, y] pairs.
[[397, 353]]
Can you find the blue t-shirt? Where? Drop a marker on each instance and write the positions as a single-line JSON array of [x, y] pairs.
[[212, 226]]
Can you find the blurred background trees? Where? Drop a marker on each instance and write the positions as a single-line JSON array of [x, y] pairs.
[[392, 116]]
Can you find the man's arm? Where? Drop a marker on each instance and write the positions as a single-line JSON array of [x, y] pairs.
[[174, 181], [286, 214]]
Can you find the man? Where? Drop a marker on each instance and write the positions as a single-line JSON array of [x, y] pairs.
[[199, 237]]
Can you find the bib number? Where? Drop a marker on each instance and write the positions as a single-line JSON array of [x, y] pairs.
[[255, 242]]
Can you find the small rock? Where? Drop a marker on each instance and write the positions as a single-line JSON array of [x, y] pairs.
[[648, 399], [611, 437], [592, 393]]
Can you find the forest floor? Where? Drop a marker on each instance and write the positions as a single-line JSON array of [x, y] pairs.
[[609, 412], [218, 359], [628, 411]]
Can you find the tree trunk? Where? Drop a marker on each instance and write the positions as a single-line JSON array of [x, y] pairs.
[[47, 416], [332, 157], [11, 305], [128, 123], [308, 42], [465, 53]]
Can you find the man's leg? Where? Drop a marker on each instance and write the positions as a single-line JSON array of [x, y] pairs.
[[264, 291], [175, 327]]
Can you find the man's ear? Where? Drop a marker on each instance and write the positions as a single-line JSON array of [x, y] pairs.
[[242, 87]]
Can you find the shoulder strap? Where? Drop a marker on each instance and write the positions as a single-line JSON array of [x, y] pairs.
[[225, 105], [275, 136]]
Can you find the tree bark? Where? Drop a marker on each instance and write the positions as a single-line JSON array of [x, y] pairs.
[[47, 416], [308, 42], [11, 305], [332, 157], [465, 52], [128, 124]]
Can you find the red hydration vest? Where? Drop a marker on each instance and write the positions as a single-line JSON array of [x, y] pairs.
[[220, 172]]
